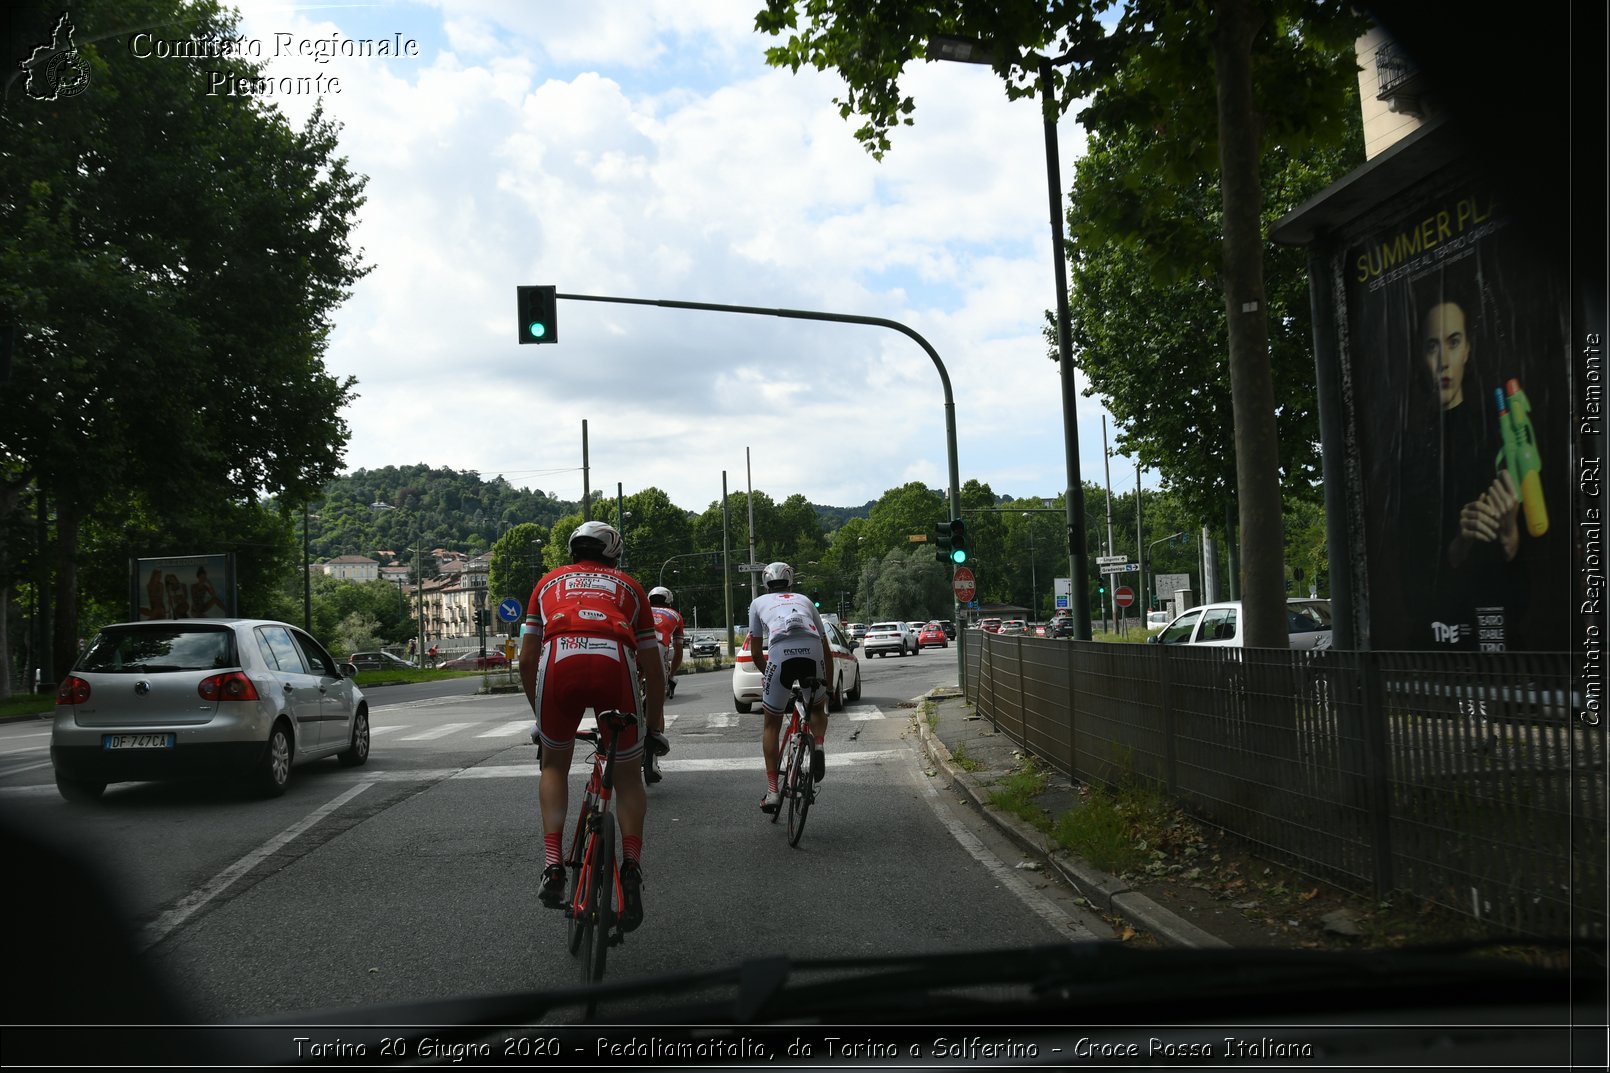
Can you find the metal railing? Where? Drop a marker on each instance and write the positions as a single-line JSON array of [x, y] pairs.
[[1466, 779]]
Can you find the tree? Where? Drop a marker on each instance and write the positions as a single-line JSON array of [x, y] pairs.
[[1147, 317], [170, 260], [1162, 60]]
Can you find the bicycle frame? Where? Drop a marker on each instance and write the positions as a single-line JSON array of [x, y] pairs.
[[592, 916], [795, 785]]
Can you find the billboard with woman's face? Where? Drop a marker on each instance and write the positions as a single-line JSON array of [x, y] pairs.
[[1456, 370]]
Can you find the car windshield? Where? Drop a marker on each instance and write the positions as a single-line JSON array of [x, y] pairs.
[[154, 649], [261, 419]]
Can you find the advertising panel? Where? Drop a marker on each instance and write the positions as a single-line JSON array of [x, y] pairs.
[[1456, 372], [182, 586]]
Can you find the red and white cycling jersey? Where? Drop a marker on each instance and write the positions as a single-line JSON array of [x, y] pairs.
[[669, 625], [595, 622]]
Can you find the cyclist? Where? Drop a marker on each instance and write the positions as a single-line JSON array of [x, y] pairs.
[[669, 626], [789, 625], [588, 634]]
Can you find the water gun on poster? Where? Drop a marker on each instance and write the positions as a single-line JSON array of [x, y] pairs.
[[1520, 455]]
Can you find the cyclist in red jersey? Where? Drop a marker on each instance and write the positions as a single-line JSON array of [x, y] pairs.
[[588, 635], [668, 625]]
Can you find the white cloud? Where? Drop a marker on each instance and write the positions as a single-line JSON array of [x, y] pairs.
[[655, 155]]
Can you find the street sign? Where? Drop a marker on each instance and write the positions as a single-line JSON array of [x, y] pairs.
[[963, 583], [1123, 596], [509, 609], [751, 568], [1103, 560], [1121, 568]]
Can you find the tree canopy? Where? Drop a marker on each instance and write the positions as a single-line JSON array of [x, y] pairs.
[[169, 263]]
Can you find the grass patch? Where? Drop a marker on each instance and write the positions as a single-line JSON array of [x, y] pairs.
[[1136, 636], [1016, 794], [930, 714], [1117, 831], [959, 756], [28, 704]]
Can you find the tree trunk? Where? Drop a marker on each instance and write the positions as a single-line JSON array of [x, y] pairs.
[[64, 650], [1251, 385]]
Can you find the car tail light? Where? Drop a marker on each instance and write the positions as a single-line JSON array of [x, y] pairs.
[[73, 690], [231, 686]]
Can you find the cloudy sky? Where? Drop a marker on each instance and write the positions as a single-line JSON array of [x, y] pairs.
[[646, 150]]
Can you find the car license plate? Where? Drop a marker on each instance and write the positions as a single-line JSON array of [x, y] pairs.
[[138, 741]]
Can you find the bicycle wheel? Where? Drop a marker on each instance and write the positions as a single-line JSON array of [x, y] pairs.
[[573, 861], [601, 899], [784, 754], [801, 789]]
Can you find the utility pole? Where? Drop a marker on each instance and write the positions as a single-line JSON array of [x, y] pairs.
[[1106, 464]]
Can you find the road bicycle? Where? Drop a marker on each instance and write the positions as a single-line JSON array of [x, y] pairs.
[[592, 911], [794, 782]]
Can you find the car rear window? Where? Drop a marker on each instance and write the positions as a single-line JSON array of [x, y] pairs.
[[159, 649]]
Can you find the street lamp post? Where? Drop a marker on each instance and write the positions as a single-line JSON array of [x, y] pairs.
[[1034, 581], [962, 50], [1152, 587]]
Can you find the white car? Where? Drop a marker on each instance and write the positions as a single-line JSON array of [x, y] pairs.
[[1156, 620], [242, 698], [1220, 624], [882, 638], [846, 673]]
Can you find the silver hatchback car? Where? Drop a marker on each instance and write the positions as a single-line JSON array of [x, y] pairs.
[[203, 697]]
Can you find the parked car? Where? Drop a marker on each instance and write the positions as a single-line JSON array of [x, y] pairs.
[[990, 625], [883, 638], [493, 660], [846, 673], [705, 646], [379, 661], [203, 697], [1307, 619], [932, 636]]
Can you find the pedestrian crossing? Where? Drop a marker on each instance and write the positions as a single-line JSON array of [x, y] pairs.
[[407, 728]]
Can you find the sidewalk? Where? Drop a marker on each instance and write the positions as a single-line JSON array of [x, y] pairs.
[[997, 756]]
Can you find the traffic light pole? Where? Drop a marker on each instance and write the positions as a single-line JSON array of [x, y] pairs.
[[838, 318]]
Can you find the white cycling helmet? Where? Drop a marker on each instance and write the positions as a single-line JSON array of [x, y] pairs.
[[659, 592], [778, 572], [596, 540]]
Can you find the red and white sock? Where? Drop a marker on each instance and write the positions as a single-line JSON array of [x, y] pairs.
[[633, 847], [551, 846]]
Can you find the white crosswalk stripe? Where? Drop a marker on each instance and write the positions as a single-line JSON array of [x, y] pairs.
[[519, 730], [439, 732]]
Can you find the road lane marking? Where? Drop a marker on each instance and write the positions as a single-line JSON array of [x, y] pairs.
[[160, 928], [519, 728], [438, 732]]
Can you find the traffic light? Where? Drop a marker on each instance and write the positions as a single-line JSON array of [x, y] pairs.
[[958, 540], [951, 538], [539, 314]]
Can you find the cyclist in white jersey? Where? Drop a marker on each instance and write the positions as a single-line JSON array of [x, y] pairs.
[[788, 642]]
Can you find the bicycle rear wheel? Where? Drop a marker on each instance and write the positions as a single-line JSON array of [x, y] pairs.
[[600, 899], [573, 861], [785, 753], [801, 788]]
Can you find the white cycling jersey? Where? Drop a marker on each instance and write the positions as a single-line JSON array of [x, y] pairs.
[[787, 626]]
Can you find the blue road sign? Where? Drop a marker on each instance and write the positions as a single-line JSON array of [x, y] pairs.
[[509, 609]]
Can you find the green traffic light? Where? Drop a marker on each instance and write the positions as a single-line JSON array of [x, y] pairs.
[[538, 329], [959, 555]]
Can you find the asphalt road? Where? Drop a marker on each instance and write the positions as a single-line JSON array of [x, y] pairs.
[[414, 876]]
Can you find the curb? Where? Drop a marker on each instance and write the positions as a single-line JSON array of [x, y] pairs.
[[1107, 893]]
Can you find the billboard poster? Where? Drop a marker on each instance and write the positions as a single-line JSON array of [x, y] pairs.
[[1456, 372], [183, 586]]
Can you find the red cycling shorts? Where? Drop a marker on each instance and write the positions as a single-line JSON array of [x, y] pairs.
[[578, 673]]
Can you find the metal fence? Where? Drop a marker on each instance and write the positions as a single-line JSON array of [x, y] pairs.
[[1467, 779]]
